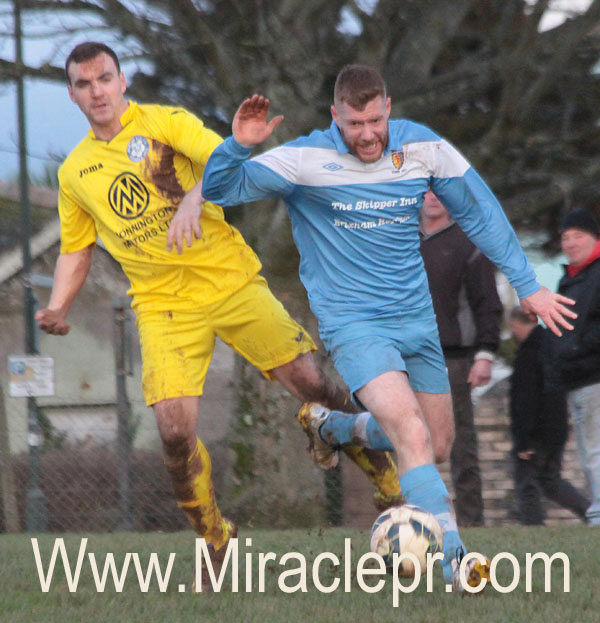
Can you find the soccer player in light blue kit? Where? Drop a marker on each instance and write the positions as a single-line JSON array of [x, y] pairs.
[[353, 194]]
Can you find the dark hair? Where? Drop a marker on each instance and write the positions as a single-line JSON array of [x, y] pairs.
[[86, 52], [357, 85], [519, 315]]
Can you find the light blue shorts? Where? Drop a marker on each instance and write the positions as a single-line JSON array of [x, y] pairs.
[[363, 350]]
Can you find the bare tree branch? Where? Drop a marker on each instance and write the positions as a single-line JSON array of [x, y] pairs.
[[560, 58], [10, 71]]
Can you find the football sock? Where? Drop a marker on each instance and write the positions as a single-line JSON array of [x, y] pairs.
[[365, 443], [195, 496], [360, 429], [423, 486], [381, 471]]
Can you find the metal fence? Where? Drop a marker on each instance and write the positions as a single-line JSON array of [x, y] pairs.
[[90, 458], [75, 468]]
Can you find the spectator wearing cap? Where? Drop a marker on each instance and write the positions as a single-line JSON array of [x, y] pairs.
[[578, 351]]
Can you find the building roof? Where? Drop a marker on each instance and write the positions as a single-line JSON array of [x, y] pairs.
[[45, 227]]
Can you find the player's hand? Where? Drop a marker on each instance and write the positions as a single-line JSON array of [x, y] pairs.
[[250, 126], [526, 455], [52, 321], [480, 373], [185, 224], [550, 307]]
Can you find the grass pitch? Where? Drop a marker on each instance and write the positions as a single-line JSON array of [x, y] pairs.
[[22, 599]]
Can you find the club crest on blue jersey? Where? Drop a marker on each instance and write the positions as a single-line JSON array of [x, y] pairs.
[[397, 158], [138, 148]]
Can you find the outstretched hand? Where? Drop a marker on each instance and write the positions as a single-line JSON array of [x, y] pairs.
[[250, 126], [550, 307]]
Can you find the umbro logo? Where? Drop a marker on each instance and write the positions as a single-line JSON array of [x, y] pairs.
[[333, 166]]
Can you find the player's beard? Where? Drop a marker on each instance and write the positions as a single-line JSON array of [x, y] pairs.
[[357, 147]]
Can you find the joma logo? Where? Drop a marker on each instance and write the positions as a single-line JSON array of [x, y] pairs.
[[92, 169]]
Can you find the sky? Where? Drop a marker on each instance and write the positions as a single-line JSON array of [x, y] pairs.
[[53, 125]]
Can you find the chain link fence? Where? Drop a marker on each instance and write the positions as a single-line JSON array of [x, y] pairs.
[[77, 465], [73, 466]]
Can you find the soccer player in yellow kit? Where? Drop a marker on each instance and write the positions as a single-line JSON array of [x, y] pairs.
[[134, 182]]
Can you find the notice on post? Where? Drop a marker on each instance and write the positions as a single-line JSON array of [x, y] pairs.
[[30, 376]]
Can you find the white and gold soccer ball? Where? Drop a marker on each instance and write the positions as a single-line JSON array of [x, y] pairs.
[[406, 529]]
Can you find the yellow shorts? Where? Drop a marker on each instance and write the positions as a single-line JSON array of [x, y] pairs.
[[177, 346]]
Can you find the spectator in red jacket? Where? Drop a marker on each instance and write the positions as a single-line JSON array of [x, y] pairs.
[[578, 351]]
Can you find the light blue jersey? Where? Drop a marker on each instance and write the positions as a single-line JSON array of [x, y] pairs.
[[356, 224], [356, 227]]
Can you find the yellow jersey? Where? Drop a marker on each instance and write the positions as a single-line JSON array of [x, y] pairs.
[[127, 190]]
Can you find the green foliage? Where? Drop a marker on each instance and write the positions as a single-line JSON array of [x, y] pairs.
[[53, 439], [241, 438], [10, 217], [268, 458]]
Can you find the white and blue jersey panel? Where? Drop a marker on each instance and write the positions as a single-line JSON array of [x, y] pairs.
[[356, 224]]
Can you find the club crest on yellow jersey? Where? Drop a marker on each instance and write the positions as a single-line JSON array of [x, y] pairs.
[[138, 148]]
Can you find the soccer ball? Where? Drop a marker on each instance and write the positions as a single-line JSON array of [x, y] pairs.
[[403, 529]]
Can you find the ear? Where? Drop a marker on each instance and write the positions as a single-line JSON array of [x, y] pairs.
[[123, 83], [388, 105], [70, 90], [334, 113]]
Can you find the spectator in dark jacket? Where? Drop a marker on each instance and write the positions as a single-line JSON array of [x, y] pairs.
[[578, 351], [539, 425], [468, 312]]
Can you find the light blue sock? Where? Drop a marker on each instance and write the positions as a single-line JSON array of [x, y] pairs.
[[423, 486], [359, 429]]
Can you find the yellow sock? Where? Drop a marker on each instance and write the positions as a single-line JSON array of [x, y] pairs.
[[195, 496], [381, 470]]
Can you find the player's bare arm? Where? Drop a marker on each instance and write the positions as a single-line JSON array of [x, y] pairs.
[[186, 222], [550, 308], [250, 126], [69, 276]]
